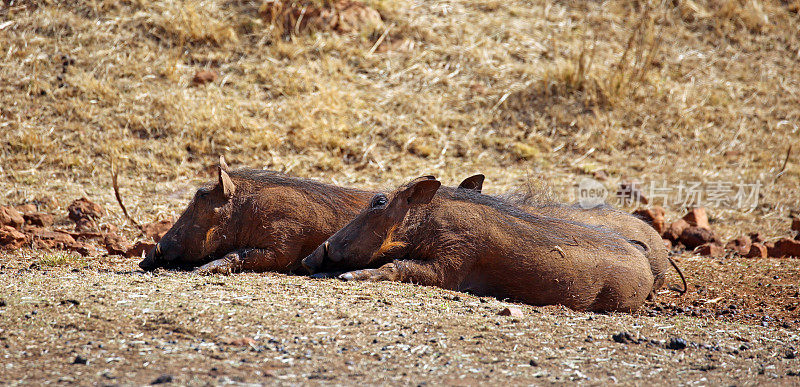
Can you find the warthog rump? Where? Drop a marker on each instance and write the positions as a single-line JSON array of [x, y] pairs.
[[626, 225], [463, 240], [623, 223]]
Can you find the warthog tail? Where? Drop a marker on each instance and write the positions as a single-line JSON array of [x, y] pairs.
[[680, 273]]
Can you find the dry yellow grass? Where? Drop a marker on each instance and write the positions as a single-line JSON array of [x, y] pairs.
[[702, 90]]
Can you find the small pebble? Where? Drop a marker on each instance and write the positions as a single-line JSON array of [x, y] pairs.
[[623, 338], [513, 312], [676, 343], [165, 378]]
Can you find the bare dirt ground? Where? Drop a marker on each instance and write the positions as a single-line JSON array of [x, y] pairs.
[[102, 321], [547, 92]]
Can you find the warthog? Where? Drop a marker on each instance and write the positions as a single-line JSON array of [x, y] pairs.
[[626, 225], [463, 240], [255, 220]]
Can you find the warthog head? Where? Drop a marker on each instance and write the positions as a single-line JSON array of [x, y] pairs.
[[362, 242], [196, 233]]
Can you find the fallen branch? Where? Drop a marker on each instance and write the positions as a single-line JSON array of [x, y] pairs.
[[119, 197], [785, 161]]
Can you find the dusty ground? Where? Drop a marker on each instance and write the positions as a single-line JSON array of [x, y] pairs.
[[549, 91], [134, 327]]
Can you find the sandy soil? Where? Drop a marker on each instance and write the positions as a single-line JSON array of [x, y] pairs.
[[102, 321]]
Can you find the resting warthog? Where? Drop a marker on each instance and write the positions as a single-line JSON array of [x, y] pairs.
[[256, 220], [463, 240], [626, 225]]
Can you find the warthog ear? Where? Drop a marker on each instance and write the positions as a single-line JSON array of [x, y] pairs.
[[474, 182], [421, 191], [640, 245], [225, 182]]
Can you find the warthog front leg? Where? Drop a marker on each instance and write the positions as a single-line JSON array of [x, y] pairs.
[[240, 260], [387, 272], [428, 273]]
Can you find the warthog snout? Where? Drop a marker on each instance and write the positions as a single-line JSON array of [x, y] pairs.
[[162, 255], [149, 261], [315, 260]]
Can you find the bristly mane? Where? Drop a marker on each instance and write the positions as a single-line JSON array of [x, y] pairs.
[[543, 229], [542, 197], [532, 194], [331, 195]]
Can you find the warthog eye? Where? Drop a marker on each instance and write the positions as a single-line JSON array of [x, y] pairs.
[[202, 192], [378, 201]]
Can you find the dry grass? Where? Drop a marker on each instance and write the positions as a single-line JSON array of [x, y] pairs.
[[705, 90]]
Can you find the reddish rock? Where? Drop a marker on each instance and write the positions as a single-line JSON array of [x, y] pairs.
[[204, 76], [784, 247], [84, 213], [44, 239], [757, 250], [675, 230], [513, 312], [139, 248], [697, 217], [58, 240], [115, 244], [756, 237], [156, 230], [796, 227], [11, 238], [242, 342], [26, 208], [85, 235], [740, 245], [692, 236], [654, 216], [39, 219], [11, 217], [710, 250], [28, 229]]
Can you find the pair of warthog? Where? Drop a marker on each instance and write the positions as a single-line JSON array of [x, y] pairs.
[[456, 238]]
